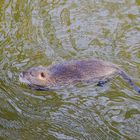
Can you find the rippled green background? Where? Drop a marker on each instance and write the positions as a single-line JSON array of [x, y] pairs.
[[43, 32]]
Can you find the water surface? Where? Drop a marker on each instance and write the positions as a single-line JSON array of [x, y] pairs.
[[44, 32]]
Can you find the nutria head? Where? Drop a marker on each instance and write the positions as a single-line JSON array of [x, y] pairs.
[[38, 77]]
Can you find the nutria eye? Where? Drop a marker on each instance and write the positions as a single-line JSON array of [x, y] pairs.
[[42, 74]]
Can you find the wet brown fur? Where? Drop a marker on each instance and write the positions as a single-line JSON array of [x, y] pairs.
[[69, 72]]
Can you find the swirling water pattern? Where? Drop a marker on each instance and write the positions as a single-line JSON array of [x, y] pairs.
[[42, 32]]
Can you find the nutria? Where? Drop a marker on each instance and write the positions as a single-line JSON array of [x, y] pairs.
[[72, 72]]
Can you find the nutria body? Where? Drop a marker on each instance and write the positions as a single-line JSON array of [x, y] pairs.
[[71, 72]]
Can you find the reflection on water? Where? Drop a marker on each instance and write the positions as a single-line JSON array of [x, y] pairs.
[[43, 32]]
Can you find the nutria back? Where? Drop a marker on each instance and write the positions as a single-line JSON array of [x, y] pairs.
[[82, 70]]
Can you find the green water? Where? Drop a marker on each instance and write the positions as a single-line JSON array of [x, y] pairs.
[[43, 32]]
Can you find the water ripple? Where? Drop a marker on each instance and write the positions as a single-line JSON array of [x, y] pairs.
[[42, 32]]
